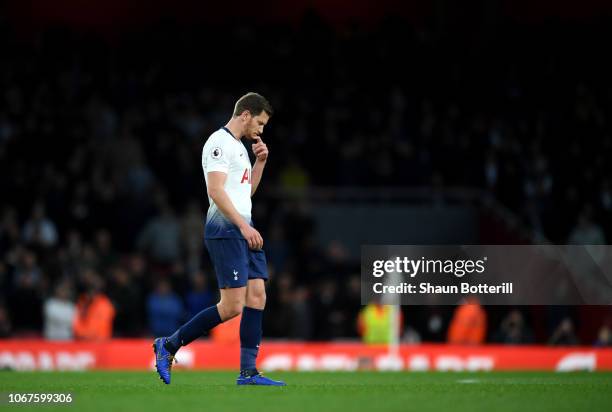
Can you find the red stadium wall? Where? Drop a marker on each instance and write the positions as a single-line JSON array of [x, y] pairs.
[[136, 354]]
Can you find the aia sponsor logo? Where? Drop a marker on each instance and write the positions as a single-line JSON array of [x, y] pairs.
[[246, 176]]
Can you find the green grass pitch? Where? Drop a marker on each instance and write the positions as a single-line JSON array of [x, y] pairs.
[[326, 391]]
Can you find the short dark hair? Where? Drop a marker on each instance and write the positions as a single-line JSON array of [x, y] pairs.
[[254, 103]]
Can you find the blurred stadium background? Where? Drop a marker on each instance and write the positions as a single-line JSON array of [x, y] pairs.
[[479, 122]]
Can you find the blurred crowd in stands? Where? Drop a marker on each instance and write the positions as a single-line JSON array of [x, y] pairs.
[[103, 195]]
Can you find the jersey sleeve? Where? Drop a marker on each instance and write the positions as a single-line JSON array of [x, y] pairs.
[[217, 156]]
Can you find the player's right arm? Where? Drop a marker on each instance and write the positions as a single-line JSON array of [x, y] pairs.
[[216, 191]]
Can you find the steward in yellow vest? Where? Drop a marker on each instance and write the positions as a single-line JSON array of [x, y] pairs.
[[374, 323]]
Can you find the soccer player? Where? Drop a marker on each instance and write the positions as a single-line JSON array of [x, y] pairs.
[[234, 245]]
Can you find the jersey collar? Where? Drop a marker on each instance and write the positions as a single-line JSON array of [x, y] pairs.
[[228, 130]]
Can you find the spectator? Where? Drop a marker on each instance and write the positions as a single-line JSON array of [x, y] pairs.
[[328, 313], [469, 324], [59, 312], [26, 298], [106, 256], [276, 247], [161, 237], [564, 334], [128, 302], [293, 177], [165, 310], [191, 236], [301, 314], [431, 321], [40, 230], [513, 330], [292, 307], [9, 229], [351, 302], [199, 297], [94, 311], [604, 337], [137, 268], [587, 232]]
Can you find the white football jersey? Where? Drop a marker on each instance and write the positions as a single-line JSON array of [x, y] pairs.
[[224, 153]]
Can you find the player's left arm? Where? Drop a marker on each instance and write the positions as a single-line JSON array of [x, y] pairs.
[[261, 152]]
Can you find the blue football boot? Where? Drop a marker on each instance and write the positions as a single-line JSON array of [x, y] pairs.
[[163, 360], [256, 378]]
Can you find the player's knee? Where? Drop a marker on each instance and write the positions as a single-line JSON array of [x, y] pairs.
[[230, 309], [235, 311], [236, 308], [256, 299]]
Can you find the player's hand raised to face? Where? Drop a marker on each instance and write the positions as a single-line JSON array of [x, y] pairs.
[[260, 149], [252, 236]]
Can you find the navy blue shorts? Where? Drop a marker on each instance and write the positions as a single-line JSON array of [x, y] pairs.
[[235, 263]]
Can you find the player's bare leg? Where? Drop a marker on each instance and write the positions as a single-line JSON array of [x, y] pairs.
[[256, 294]]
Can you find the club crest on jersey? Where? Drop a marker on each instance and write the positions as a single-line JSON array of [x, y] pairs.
[[216, 153]]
